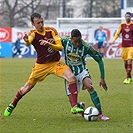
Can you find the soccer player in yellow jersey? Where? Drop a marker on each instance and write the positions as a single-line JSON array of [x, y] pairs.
[[47, 45], [126, 28]]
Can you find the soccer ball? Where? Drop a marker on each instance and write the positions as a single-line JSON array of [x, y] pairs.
[[91, 114]]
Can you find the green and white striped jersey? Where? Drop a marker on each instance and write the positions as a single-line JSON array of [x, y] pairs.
[[75, 56]]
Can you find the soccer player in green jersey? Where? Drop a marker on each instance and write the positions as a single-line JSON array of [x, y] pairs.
[[76, 50]]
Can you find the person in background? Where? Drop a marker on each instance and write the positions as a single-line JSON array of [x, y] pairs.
[[17, 48], [126, 29], [100, 39]]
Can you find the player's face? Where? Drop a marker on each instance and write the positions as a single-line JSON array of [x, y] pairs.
[[76, 41], [38, 23], [128, 18]]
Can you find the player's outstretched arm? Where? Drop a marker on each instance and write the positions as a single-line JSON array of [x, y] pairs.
[[97, 57], [117, 34]]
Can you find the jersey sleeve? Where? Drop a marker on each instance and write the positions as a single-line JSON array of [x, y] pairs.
[[96, 56], [105, 35], [58, 45], [31, 36], [96, 37], [117, 33]]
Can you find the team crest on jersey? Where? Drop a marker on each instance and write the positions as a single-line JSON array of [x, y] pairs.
[[73, 56]]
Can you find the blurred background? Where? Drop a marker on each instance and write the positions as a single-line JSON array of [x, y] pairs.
[[16, 13], [87, 15]]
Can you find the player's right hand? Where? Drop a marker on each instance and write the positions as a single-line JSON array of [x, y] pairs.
[[25, 37]]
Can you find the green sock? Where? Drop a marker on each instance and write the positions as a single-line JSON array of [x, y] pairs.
[[96, 101]]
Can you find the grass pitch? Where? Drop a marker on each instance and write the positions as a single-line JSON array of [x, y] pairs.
[[46, 108]]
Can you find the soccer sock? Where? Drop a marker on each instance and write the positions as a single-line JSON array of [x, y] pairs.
[[125, 65], [17, 98], [129, 69], [96, 101], [74, 93]]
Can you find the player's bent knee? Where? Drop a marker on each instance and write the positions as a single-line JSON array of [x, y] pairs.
[[71, 78], [22, 91], [25, 89]]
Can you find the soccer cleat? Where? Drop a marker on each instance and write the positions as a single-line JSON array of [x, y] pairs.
[[127, 81], [103, 117], [76, 109], [8, 110], [81, 105]]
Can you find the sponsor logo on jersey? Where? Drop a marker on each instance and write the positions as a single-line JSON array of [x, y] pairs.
[[73, 56]]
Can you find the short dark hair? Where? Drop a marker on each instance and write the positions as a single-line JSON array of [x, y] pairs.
[[129, 13], [75, 33], [35, 15]]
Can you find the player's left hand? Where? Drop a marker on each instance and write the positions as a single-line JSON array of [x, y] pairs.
[[103, 84]]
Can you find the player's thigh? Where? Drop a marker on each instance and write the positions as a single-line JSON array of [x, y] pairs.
[[81, 78], [39, 72], [64, 71], [127, 53], [130, 53]]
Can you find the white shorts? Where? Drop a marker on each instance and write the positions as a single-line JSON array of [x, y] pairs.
[[79, 81]]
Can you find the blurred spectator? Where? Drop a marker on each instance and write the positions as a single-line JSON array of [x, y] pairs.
[[17, 48], [101, 39]]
